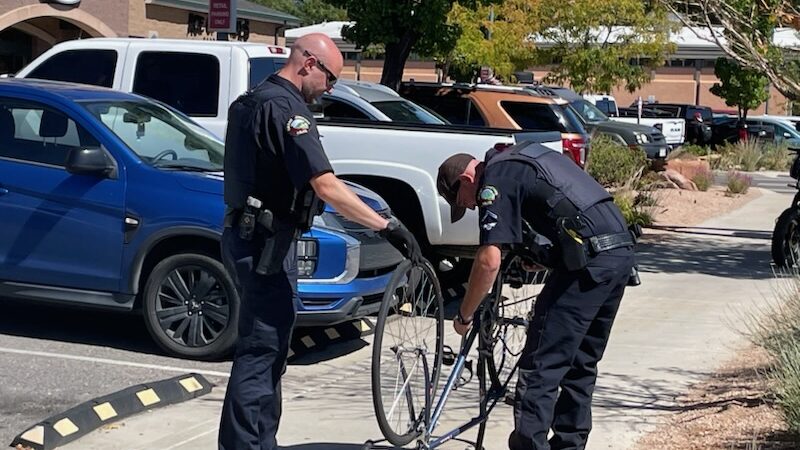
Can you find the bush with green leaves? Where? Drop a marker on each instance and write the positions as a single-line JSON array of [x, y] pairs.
[[613, 164], [703, 178], [633, 206], [693, 149], [775, 157], [738, 183]]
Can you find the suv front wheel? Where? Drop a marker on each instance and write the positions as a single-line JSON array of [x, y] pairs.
[[191, 307]]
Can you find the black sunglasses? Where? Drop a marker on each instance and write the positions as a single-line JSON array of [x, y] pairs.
[[332, 79]]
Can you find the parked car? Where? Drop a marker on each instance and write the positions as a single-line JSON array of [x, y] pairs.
[[362, 100], [771, 129], [114, 201], [649, 139], [698, 118], [603, 102], [503, 107], [398, 161]]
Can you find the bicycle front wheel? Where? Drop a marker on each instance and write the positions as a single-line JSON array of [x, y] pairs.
[[406, 353]]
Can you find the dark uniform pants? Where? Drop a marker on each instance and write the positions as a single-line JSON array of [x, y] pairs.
[[252, 407], [566, 338]]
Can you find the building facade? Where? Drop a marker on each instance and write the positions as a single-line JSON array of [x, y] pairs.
[[30, 27]]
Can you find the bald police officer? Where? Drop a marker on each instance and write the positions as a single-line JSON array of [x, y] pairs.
[[276, 173], [591, 264]]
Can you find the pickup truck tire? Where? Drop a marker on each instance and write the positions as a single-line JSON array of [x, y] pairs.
[[191, 307]]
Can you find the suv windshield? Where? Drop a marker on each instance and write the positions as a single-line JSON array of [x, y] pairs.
[[404, 111], [159, 136], [587, 111]]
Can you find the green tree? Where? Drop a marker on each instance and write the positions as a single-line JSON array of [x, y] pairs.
[[492, 35], [743, 88], [744, 30], [402, 27], [309, 11], [592, 43]]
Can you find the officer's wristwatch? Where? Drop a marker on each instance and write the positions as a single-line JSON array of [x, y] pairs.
[[460, 319], [391, 226]]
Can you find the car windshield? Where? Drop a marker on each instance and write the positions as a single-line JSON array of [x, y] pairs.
[[587, 111], [160, 136], [405, 111]]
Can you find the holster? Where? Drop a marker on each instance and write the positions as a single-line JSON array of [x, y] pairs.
[[278, 238], [573, 250]]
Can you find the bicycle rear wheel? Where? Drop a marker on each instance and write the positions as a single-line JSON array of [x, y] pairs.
[[506, 320], [406, 353]]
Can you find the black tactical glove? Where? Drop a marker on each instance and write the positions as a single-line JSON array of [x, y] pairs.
[[402, 240]]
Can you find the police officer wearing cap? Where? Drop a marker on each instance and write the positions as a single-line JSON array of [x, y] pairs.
[[591, 261], [276, 179]]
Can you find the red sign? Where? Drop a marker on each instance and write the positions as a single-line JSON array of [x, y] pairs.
[[222, 15]]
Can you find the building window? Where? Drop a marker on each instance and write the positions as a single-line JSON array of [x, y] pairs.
[[188, 82]]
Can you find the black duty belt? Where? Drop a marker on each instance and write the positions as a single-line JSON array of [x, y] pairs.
[[610, 241]]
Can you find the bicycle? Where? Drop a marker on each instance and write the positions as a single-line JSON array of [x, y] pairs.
[[409, 372]]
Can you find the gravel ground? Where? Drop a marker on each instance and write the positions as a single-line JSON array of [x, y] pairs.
[[677, 207]]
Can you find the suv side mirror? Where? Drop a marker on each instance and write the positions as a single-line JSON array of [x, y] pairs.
[[90, 161]]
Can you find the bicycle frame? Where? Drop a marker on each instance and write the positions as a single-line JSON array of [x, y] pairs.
[[487, 404]]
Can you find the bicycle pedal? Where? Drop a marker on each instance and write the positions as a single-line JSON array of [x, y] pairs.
[[448, 356]]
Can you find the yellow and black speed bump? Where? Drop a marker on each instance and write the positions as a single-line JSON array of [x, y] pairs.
[[307, 340], [86, 417]]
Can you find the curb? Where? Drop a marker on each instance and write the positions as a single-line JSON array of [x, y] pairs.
[[76, 422]]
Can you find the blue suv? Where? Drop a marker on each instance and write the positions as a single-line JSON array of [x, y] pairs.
[[112, 200]]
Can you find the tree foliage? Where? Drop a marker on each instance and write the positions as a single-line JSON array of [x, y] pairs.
[[742, 88], [309, 11], [492, 35], [744, 30], [592, 43], [402, 27]]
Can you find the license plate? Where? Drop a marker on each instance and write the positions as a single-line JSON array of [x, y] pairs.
[[662, 153]]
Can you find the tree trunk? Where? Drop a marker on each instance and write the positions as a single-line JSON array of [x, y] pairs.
[[396, 56]]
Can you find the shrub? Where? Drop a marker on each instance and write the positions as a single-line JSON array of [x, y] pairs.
[[613, 164], [775, 157], [696, 150], [738, 183], [634, 206], [777, 330], [704, 178]]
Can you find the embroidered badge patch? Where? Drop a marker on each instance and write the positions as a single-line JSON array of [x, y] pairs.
[[489, 220], [298, 125], [488, 195]]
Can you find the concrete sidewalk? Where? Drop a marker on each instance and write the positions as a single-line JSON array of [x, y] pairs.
[[698, 283]]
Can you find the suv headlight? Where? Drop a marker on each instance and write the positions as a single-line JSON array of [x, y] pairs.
[[642, 138], [307, 257]]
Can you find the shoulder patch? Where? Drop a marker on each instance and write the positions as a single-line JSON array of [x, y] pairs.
[[488, 195], [298, 125]]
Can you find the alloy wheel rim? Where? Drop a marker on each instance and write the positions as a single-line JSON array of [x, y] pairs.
[[192, 307]]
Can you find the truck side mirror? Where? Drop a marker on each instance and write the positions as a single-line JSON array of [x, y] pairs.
[[90, 161]]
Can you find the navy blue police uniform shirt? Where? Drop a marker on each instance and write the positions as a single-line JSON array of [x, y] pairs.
[[272, 146], [505, 197], [501, 194], [291, 123]]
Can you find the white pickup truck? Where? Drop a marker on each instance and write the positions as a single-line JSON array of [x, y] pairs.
[[399, 161]]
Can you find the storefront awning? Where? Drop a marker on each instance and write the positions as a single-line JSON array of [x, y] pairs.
[[245, 10]]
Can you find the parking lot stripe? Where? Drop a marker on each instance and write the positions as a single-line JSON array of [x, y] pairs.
[[116, 362]]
